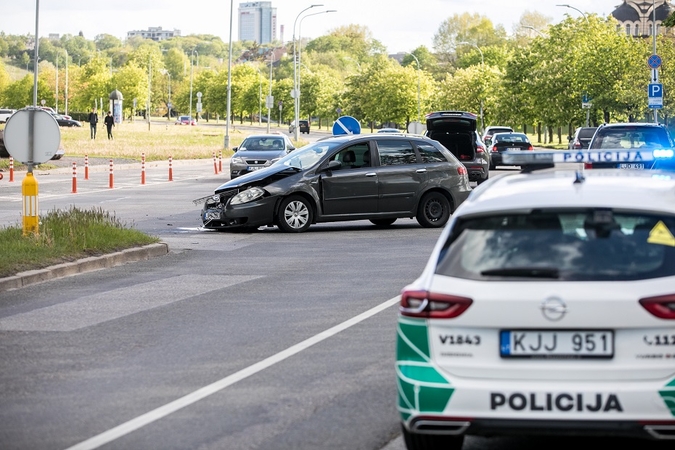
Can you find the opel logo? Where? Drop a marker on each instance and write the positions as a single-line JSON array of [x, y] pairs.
[[553, 309]]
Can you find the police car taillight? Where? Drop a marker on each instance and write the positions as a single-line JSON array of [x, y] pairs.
[[432, 306], [662, 307]]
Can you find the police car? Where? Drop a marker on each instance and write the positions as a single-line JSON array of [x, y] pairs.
[[546, 307]]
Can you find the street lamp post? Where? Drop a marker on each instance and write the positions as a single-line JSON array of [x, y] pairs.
[[191, 69], [56, 106], [419, 116], [656, 71], [296, 102], [270, 100], [66, 99], [229, 81], [576, 9], [482, 66], [530, 27]]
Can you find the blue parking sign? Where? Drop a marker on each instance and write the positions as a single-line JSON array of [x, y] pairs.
[[655, 95]]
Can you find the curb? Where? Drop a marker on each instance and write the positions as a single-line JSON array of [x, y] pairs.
[[89, 264]]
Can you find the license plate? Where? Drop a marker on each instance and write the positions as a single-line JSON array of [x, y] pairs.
[[556, 344], [251, 169], [631, 166], [514, 149]]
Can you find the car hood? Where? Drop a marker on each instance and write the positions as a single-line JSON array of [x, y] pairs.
[[259, 177], [259, 154]]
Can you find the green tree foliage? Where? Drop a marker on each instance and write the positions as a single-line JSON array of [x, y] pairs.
[[466, 27]]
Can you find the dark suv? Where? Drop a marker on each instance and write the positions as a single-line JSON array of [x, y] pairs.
[[581, 138], [632, 137], [456, 130], [376, 177]]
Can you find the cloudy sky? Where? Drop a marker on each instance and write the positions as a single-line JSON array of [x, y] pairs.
[[401, 25]]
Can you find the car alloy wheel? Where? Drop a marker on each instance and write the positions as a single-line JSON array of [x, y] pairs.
[[295, 214], [434, 210]]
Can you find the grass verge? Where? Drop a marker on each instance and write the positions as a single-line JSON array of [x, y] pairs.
[[66, 236]]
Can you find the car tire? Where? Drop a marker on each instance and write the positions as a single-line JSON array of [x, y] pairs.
[[492, 166], [382, 222], [295, 214], [433, 210], [415, 441]]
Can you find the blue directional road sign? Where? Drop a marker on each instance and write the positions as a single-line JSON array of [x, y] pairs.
[[655, 95], [346, 125]]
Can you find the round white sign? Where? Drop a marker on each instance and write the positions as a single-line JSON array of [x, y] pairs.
[[46, 136], [416, 128]]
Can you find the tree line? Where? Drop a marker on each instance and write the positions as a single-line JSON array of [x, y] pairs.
[[535, 77]]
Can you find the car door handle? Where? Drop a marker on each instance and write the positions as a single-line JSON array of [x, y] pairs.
[[421, 170], [370, 174]]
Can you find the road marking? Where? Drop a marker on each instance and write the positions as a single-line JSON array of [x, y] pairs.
[[105, 306], [187, 400]]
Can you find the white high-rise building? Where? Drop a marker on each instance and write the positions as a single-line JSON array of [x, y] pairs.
[[257, 22]]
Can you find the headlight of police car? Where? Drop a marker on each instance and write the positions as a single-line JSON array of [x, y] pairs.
[[237, 160], [247, 196]]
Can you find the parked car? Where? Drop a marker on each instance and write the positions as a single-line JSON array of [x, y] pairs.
[[374, 177], [581, 138], [547, 307], [52, 111], [304, 127], [65, 122], [185, 120], [631, 137], [6, 114], [502, 142], [491, 130], [257, 151], [456, 130]]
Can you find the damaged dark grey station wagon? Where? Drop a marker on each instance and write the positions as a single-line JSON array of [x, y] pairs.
[[356, 177]]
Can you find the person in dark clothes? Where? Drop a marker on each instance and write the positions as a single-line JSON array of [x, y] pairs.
[[109, 124], [93, 120]]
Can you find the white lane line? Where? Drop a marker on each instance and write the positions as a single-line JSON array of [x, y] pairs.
[[105, 306], [163, 411]]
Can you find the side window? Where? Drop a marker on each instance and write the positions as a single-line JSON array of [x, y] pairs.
[[396, 153], [430, 154], [353, 157]]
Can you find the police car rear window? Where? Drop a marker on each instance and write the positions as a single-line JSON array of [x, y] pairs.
[[570, 245]]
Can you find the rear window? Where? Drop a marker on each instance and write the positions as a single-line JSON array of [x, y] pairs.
[[587, 132], [630, 137], [570, 245], [492, 131], [511, 137]]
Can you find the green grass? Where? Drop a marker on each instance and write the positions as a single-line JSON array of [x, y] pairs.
[[66, 236]]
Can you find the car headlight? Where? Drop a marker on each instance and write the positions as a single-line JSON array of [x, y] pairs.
[[237, 160], [247, 196]]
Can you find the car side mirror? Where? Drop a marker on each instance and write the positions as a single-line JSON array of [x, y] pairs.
[[333, 165], [234, 149]]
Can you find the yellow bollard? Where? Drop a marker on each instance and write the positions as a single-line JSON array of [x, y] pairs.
[[29, 190]]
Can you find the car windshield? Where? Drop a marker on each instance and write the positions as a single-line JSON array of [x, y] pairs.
[[262, 144], [309, 155], [584, 245]]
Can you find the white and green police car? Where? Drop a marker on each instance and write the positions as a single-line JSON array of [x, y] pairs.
[[547, 307]]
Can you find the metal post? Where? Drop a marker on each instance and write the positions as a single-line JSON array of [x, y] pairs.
[[269, 101], [229, 81], [296, 68], [419, 114], [656, 71], [66, 99]]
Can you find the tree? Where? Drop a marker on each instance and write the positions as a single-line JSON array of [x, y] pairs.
[[466, 27]]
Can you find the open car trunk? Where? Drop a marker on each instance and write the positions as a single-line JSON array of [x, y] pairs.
[[456, 130]]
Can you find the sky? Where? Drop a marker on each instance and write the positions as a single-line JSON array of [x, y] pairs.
[[401, 25]]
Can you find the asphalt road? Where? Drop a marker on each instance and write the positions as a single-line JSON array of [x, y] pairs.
[[256, 340]]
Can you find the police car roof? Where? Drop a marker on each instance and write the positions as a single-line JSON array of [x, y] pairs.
[[611, 188]]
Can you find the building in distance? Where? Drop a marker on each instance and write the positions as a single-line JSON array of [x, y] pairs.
[[154, 33], [257, 22]]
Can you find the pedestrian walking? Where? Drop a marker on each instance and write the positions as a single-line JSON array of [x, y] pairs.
[[93, 121], [109, 124]]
